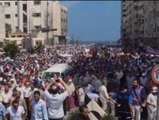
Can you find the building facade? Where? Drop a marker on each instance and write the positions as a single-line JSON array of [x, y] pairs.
[[140, 23], [60, 23], [15, 14], [2, 24], [36, 18]]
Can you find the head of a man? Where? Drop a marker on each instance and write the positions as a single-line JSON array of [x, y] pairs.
[[54, 89], [84, 111], [27, 84], [15, 104], [6, 87], [37, 96], [18, 95], [154, 90], [136, 83]]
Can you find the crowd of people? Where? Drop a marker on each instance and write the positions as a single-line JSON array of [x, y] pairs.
[[119, 82]]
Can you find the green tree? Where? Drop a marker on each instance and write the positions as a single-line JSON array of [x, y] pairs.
[[39, 48], [11, 48]]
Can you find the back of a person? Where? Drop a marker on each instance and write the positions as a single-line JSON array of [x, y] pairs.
[[55, 106]]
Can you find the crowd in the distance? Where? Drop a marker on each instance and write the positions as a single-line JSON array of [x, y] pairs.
[[120, 83]]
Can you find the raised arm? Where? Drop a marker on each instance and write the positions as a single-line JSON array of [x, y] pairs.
[[65, 85]]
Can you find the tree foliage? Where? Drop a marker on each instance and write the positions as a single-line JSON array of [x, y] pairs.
[[11, 48], [39, 48]]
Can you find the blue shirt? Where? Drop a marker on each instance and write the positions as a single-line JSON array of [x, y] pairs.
[[39, 110], [140, 93], [2, 111]]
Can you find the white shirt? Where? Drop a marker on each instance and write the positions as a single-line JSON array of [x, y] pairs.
[[6, 96], [93, 96], [152, 99], [21, 89], [55, 104], [26, 92], [81, 95], [71, 88], [103, 93], [15, 115], [89, 89], [97, 84]]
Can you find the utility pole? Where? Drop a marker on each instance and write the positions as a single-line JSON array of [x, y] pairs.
[[47, 24], [18, 13]]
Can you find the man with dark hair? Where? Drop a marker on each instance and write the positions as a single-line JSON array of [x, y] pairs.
[[137, 100], [16, 112], [55, 100], [83, 113], [39, 110], [123, 109]]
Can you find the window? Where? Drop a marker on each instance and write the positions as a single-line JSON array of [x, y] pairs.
[[7, 16], [38, 27], [154, 30], [37, 2], [7, 4], [16, 3], [37, 14], [24, 7], [157, 13], [16, 15], [158, 28]]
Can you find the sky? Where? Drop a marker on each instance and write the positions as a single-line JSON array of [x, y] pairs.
[[94, 20]]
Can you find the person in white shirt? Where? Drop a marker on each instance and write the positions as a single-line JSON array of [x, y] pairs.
[[71, 99], [20, 88], [80, 95], [89, 89], [26, 93], [55, 100], [96, 84], [152, 104], [6, 94], [16, 112], [103, 95]]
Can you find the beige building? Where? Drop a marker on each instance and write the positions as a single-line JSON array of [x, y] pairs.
[[2, 24], [140, 23], [20, 37], [56, 19], [15, 15], [34, 16], [60, 23]]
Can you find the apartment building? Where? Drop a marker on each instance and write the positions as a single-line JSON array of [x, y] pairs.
[[47, 15], [15, 14], [60, 23], [36, 18], [2, 24], [139, 24]]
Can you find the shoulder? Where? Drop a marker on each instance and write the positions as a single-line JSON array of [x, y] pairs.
[[150, 95], [64, 94], [21, 107], [42, 102], [9, 108], [77, 117]]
